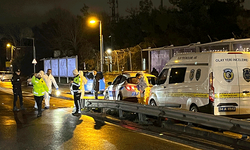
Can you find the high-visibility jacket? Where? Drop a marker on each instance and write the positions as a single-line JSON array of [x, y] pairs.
[[39, 86], [76, 84]]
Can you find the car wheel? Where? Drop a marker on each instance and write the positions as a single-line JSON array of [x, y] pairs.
[[106, 96], [194, 108], [153, 103]]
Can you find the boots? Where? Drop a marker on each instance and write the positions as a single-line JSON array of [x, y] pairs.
[[15, 109], [22, 108], [76, 114], [39, 114]]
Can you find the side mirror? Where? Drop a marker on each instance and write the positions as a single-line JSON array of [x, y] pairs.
[[109, 83]]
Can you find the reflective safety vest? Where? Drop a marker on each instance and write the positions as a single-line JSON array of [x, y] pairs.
[[39, 86], [76, 84]]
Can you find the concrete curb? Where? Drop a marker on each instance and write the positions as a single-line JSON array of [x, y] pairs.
[[216, 136]]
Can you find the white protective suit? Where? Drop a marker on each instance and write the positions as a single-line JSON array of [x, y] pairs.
[[49, 80], [83, 82]]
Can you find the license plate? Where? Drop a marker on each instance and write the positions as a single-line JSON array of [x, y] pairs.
[[224, 109]]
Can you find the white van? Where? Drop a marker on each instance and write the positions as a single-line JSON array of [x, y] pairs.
[[211, 82]]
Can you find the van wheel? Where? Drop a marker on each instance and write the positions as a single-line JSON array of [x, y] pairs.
[[153, 103], [194, 108]]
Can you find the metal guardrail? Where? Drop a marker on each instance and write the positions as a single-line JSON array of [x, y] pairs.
[[209, 120]]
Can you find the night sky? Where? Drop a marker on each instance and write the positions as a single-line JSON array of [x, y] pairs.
[[32, 11]]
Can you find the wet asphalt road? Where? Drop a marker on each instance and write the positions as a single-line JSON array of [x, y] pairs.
[[58, 129]]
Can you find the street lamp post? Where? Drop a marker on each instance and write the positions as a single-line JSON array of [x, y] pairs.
[[11, 55], [117, 60], [34, 53], [101, 46], [101, 42]]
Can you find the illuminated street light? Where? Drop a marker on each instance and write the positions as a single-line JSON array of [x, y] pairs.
[[93, 21], [109, 52]]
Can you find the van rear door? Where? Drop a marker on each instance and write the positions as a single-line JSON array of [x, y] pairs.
[[243, 62], [226, 84]]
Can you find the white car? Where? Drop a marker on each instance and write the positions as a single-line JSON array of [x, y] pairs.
[[124, 88], [6, 76]]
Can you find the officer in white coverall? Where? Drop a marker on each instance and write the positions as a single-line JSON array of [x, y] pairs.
[[49, 79]]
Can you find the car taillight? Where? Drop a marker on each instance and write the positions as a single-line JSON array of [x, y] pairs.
[[211, 88], [234, 53], [130, 87]]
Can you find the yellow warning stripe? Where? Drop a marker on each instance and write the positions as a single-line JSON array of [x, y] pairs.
[[201, 95], [206, 95], [227, 95]]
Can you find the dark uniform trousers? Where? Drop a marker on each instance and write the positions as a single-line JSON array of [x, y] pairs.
[[77, 100], [39, 100], [18, 93]]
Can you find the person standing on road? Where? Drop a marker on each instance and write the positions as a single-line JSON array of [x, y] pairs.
[[155, 72], [141, 86], [17, 89], [49, 80], [75, 90], [39, 89], [82, 83], [45, 78], [96, 83]]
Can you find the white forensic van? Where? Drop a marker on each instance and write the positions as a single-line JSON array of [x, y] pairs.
[[211, 82]]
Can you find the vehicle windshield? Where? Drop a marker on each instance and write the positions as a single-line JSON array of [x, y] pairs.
[[133, 80], [119, 80], [162, 77]]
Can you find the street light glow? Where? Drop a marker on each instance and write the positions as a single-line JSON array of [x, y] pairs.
[[92, 21], [109, 51], [8, 45]]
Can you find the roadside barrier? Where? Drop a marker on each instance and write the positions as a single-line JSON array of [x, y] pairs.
[[220, 122]]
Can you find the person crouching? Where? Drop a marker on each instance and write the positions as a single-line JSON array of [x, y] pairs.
[[75, 87], [39, 88]]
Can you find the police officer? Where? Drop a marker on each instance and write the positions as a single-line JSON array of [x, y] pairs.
[[17, 89], [75, 89], [39, 89], [96, 83]]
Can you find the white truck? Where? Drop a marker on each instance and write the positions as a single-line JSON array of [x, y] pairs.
[[211, 82]]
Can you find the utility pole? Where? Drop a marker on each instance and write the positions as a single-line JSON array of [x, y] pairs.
[[114, 10]]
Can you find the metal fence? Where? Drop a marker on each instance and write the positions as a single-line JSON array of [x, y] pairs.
[[219, 122]]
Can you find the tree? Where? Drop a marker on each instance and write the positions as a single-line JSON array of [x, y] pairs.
[[62, 31]]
